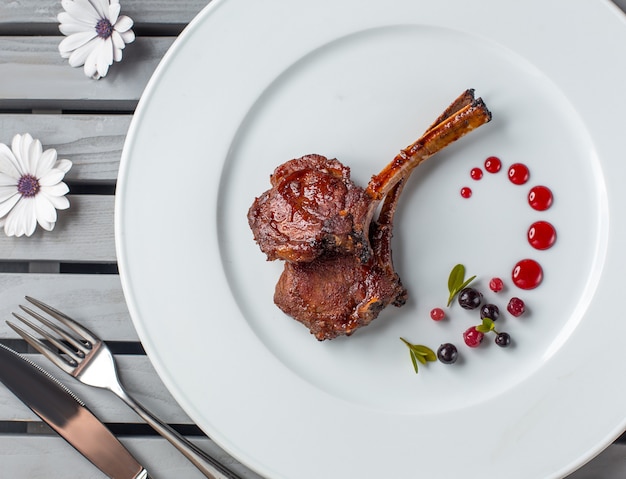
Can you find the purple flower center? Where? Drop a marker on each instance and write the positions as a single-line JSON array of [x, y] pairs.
[[104, 29], [28, 186]]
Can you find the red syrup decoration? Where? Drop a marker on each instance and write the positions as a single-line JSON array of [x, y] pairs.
[[493, 164], [527, 274], [518, 174], [476, 174], [541, 235], [540, 198], [466, 192]]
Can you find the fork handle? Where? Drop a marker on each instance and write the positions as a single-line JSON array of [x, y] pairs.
[[206, 464]]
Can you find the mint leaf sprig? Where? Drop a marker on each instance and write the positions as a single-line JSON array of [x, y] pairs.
[[457, 281], [419, 354]]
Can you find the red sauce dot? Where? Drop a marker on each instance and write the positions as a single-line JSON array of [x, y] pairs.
[[466, 192], [493, 164], [518, 174], [527, 274], [476, 173], [540, 198], [541, 235]]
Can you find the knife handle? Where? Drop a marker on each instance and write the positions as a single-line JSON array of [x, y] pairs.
[[205, 463]]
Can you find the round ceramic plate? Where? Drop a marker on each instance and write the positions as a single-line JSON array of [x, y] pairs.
[[252, 84]]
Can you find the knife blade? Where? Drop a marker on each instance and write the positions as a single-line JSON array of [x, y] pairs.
[[67, 415]]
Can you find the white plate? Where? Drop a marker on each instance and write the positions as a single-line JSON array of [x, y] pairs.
[[251, 84]]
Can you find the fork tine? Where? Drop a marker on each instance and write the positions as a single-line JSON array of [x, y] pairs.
[[42, 348], [75, 356], [66, 320], [81, 348]]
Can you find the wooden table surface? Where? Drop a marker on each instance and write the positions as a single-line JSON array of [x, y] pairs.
[[74, 266]]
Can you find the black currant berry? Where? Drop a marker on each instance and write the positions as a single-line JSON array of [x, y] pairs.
[[470, 298], [447, 353], [503, 339], [490, 311]]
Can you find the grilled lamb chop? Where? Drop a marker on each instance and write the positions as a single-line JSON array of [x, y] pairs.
[[336, 293], [339, 273]]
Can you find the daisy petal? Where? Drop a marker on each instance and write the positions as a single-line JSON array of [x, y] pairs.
[[8, 180], [17, 146], [67, 20], [117, 55], [29, 217], [76, 40], [79, 56], [72, 28], [63, 165], [8, 204], [6, 192], [59, 202], [46, 162], [91, 66], [118, 41], [51, 177], [114, 12], [45, 225], [8, 163], [128, 36], [105, 57], [81, 10], [34, 155], [16, 219], [44, 211], [59, 190], [123, 24], [102, 7]]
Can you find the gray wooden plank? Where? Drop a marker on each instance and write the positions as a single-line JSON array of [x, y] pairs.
[[17, 451], [96, 300], [93, 142], [137, 375], [84, 232], [141, 11], [36, 77], [48, 457]]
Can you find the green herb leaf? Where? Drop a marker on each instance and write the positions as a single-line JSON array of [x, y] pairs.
[[419, 354], [419, 357], [456, 281], [456, 277], [487, 326], [424, 351], [466, 283], [414, 361]]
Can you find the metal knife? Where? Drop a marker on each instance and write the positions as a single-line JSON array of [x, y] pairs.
[[62, 410]]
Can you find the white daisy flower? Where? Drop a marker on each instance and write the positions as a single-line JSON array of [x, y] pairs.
[[96, 34], [31, 186]]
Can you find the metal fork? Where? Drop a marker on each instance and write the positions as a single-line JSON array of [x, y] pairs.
[[83, 355]]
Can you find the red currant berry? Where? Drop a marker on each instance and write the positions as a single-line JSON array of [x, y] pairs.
[[473, 337], [437, 314], [496, 285], [516, 307]]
